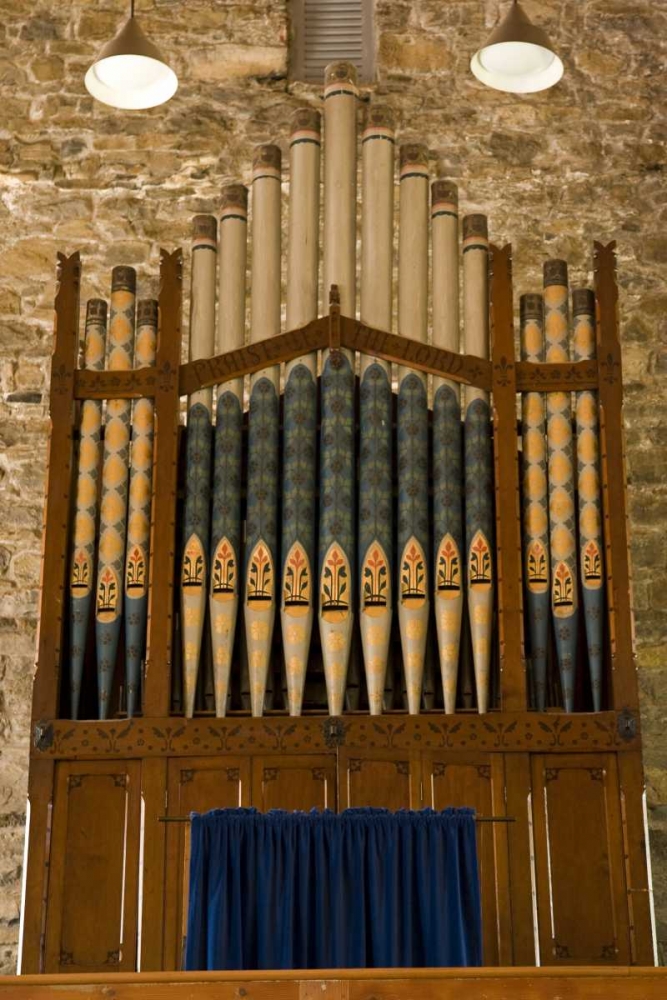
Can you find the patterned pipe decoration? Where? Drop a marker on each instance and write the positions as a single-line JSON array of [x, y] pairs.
[[564, 597], [85, 517], [113, 509], [535, 500], [591, 554], [139, 509]]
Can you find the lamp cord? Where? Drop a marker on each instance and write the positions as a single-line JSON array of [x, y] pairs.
[[131, 8]]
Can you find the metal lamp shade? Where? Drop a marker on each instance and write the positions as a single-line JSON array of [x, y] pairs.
[[518, 57], [130, 72]]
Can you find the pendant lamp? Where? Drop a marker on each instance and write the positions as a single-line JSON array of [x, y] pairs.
[[130, 71], [518, 57]]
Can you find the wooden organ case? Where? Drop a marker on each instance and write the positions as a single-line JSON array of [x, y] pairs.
[[563, 866]]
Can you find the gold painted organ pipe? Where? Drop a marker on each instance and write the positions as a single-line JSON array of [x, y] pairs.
[[337, 461], [263, 458], [413, 528], [375, 530], [340, 185], [300, 407], [447, 464], [194, 574], [227, 470], [478, 458]]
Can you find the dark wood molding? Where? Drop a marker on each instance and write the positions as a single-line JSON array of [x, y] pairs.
[[513, 688], [157, 681], [46, 688]]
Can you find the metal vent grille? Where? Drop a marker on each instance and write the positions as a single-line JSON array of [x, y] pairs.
[[325, 31]]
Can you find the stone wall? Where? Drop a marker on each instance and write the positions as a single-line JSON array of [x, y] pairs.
[[553, 171]]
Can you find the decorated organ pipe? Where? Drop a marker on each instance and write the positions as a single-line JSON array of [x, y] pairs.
[[337, 458], [562, 517], [448, 579], [375, 527], [591, 558], [535, 500], [478, 456], [263, 458], [224, 586], [113, 505], [139, 509], [194, 570], [297, 608], [85, 515], [412, 421]]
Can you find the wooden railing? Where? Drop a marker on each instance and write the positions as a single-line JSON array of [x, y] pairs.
[[351, 984]]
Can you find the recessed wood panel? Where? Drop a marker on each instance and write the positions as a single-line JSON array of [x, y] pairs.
[[581, 898], [294, 782], [92, 897], [385, 781], [478, 782], [195, 784]]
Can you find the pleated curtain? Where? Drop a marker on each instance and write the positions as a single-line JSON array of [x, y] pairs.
[[366, 888]]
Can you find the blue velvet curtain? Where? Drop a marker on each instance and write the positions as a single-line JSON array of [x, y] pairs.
[[365, 888]]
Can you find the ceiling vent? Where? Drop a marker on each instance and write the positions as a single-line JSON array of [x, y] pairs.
[[325, 31]]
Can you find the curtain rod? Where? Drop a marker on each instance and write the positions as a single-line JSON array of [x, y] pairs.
[[478, 819]]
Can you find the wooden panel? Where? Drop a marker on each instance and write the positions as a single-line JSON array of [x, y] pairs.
[[153, 795], [194, 785], [92, 898], [631, 774], [294, 782], [390, 780], [478, 781], [581, 897], [518, 802], [38, 835], [352, 984]]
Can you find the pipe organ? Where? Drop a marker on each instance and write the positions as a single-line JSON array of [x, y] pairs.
[[331, 518]]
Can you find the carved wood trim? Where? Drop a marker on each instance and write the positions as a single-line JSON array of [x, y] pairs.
[[135, 384], [499, 732], [254, 357]]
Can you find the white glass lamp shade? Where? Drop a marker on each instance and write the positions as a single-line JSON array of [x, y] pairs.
[[130, 72], [518, 57]]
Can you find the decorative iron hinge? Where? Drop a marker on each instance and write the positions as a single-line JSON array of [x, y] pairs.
[[333, 731], [42, 736], [626, 725]]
